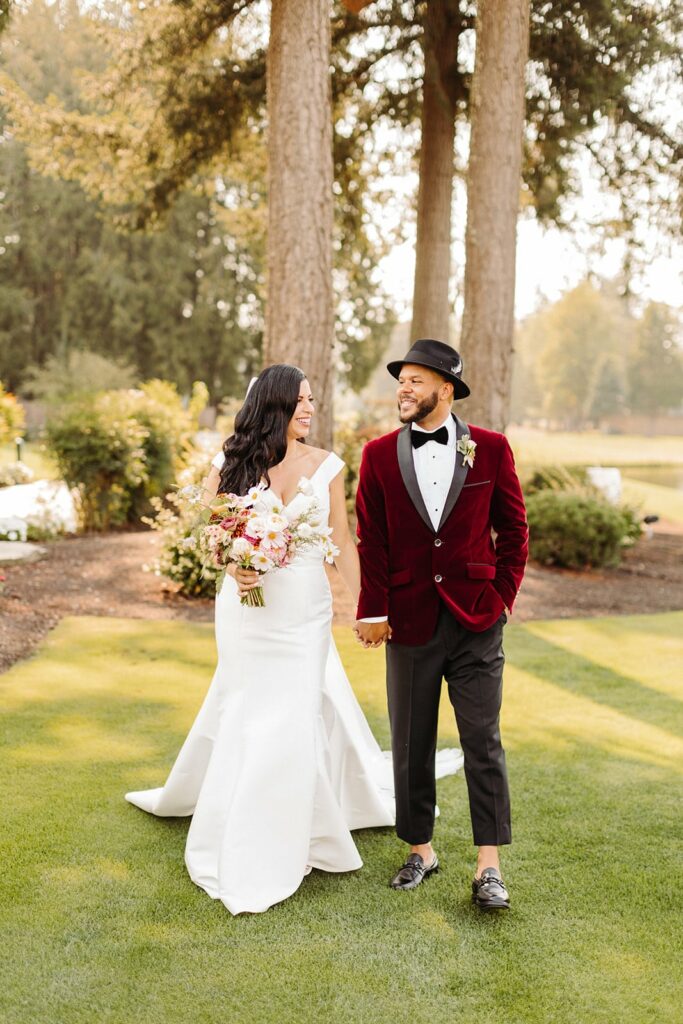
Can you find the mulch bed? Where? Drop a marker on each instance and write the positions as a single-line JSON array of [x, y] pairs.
[[102, 575]]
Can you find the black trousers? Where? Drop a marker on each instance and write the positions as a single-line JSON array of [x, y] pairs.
[[472, 665]]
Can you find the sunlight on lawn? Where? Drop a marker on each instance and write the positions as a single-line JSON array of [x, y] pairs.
[[538, 713], [79, 738], [653, 499], [646, 649], [102, 922], [536, 447], [563, 683]]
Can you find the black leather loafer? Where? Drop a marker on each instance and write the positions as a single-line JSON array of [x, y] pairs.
[[413, 872], [489, 892]]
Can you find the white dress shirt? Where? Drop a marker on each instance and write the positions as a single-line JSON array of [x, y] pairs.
[[434, 467]]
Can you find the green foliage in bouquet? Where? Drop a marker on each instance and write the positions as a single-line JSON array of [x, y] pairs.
[[12, 420], [181, 559], [577, 529], [119, 449]]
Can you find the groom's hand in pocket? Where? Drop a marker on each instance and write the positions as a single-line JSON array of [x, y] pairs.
[[372, 634]]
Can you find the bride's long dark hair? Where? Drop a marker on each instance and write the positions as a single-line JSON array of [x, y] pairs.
[[260, 438]]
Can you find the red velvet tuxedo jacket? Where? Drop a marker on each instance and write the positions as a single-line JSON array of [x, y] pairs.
[[407, 567]]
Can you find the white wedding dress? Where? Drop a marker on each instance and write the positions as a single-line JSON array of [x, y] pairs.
[[280, 764]]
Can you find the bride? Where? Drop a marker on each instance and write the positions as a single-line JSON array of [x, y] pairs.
[[280, 764]]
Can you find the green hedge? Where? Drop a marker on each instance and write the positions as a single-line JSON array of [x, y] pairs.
[[578, 530]]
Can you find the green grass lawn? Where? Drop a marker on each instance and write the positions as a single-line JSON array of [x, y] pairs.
[[35, 455], [539, 447], [652, 498], [101, 923]]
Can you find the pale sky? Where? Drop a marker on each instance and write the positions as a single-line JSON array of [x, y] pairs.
[[549, 262]]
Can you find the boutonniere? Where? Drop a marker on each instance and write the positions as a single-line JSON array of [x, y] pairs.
[[466, 446]]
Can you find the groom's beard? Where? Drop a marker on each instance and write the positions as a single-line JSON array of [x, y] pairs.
[[420, 410]]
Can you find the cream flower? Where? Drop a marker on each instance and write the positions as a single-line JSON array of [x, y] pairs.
[[261, 562], [305, 487], [241, 548], [466, 446]]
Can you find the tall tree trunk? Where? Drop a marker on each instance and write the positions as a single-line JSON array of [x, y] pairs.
[[493, 189], [299, 309], [431, 307]]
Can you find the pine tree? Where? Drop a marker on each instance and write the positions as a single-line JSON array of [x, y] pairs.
[[493, 186], [207, 97]]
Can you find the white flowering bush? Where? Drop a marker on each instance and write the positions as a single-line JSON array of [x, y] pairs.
[[175, 518], [46, 522], [15, 473], [12, 528]]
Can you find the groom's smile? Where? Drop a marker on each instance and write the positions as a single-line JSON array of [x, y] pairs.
[[417, 394]]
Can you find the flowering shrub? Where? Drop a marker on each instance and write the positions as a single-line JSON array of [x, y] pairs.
[[45, 523], [180, 559], [15, 473], [12, 420], [13, 528], [119, 449]]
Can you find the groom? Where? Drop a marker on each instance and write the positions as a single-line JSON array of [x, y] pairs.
[[435, 586]]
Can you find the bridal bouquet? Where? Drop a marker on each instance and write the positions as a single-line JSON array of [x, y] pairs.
[[254, 533]]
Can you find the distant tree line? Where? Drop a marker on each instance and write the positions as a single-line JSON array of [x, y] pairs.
[[586, 358]]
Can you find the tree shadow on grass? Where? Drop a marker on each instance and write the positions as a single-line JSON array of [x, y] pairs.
[[585, 678], [108, 914]]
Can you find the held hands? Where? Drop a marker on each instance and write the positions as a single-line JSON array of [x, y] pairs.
[[372, 634]]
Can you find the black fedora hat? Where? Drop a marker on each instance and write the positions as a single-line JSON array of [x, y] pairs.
[[437, 356]]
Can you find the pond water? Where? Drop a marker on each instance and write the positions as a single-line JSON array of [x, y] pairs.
[[665, 476]]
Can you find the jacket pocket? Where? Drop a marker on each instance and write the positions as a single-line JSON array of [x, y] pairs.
[[400, 577], [481, 571], [477, 483]]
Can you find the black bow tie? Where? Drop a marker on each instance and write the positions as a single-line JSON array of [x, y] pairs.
[[420, 437]]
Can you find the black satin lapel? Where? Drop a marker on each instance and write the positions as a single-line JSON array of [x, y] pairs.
[[459, 474], [405, 461]]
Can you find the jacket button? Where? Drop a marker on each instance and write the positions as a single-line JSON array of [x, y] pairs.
[[437, 578], [438, 542]]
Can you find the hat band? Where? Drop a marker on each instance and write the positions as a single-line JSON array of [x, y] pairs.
[[435, 362]]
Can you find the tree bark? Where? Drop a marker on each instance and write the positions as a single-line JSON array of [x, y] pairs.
[[299, 308], [493, 190], [431, 306]]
